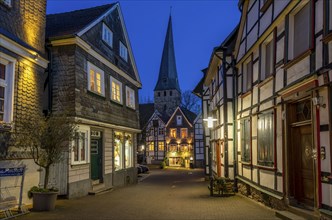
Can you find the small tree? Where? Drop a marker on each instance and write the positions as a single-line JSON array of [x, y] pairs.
[[46, 139]]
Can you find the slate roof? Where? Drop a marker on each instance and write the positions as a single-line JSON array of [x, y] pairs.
[[168, 76], [69, 23], [191, 116], [145, 113]]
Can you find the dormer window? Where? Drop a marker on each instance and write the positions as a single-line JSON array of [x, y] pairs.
[[107, 35], [123, 52], [179, 120]]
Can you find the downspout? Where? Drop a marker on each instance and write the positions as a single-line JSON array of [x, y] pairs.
[[234, 103], [224, 62], [318, 153], [50, 79]]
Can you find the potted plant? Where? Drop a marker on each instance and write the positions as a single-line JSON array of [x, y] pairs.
[[46, 139]]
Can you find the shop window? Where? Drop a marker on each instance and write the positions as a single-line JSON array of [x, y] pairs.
[[265, 133], [118, 150], [128, 150]]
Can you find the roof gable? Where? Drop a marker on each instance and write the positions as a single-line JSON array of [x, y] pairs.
[[177, 112], [77, 23]]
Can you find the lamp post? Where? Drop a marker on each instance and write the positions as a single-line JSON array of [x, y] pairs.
[[210, 121]]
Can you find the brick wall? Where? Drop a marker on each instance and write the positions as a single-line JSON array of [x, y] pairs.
[[26, 20]]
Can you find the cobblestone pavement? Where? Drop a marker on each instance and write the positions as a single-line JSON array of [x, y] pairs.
[[163, 194]]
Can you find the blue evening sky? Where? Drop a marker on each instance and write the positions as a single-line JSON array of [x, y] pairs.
[[198, 27]]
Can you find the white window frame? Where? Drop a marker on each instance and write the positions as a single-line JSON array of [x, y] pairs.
[[95, 69], [8, 83], [178, 120], [264, 63], [291, 29], [86, 131], [111, 87], [123, 51], [130, 97], [107, 35]]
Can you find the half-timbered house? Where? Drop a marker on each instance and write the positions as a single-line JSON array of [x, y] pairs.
[[283, 57]]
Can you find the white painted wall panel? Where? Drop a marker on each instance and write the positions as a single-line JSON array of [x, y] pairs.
[[252, 37], [298, 70], [279, 184], [247, 102], [280, 50], [279, 79], [266, 91], [327, 194], [241, 50], [229, 87], [254, 175], [265, 21], [255, 95], [279, 5], [266, 105], [252, 16], [267, 178], [246, 172], [325, 141]]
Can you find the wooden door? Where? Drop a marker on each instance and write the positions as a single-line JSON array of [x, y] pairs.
[[303, 165], [96, 158]]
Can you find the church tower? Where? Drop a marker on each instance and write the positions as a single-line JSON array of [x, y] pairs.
[[167, 93]]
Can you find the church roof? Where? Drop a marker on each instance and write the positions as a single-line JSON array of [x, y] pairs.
[[168, 76]]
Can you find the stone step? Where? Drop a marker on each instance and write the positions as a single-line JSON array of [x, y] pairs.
[[98, 186], [100, 191], [305, 213], [286, 215]]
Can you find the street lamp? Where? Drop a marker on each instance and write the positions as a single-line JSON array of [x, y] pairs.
[[210, 121]]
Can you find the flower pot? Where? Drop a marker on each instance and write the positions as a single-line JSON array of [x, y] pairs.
[[44, 201]]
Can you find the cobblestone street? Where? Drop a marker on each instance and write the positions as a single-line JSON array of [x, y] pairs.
[[162, 194]]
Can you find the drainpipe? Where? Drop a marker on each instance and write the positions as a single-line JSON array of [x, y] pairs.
[[224, 62], [234, 105], [50, 80]]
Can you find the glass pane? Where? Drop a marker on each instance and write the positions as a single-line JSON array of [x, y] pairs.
[[303, 111], [2, 71], [83, 147], [118, 155], [2, 92], [92, 80], [301, 30]]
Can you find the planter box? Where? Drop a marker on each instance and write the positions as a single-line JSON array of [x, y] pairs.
[[44, 201]]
